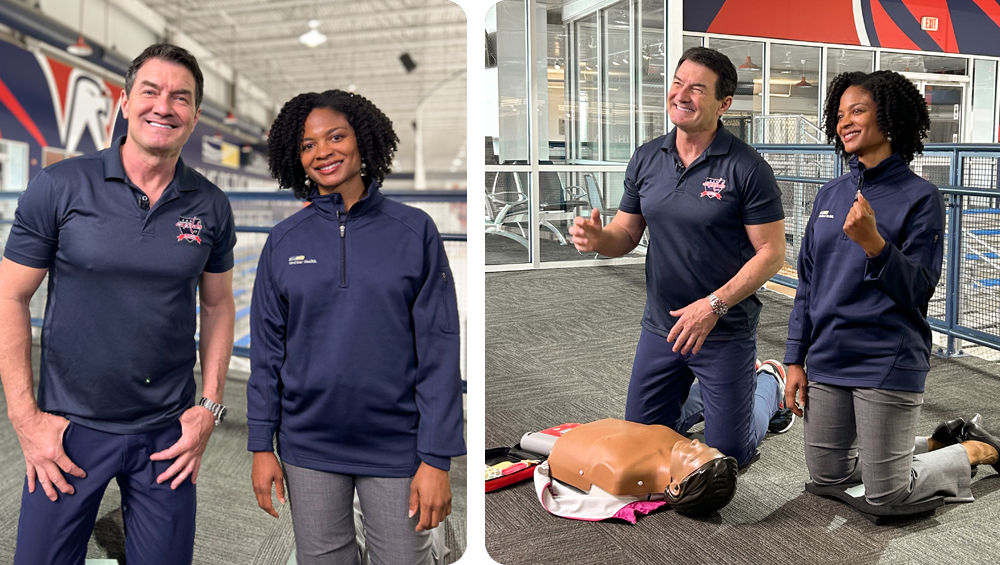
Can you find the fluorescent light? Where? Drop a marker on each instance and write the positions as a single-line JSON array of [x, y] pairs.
[[313, 37]]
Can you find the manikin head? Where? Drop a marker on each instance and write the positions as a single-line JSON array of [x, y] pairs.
[[702, 479]]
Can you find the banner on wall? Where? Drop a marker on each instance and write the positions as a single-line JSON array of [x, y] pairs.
[[970, 27], [62, 110]]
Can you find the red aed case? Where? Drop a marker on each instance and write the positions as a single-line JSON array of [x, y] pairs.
[[509, 465]]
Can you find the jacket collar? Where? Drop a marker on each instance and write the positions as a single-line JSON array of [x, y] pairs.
[[328, 205], [889, 168]]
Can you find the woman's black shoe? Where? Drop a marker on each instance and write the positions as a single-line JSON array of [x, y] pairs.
[[973, 430], [950, 432]]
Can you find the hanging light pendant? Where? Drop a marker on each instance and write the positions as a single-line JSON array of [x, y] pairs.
[[803, 82], [750, 65], [80, 48]]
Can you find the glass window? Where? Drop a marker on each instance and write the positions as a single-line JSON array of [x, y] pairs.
[[588, 71], [793, 95], [506, 84], [847, 60], [920, 63], [556, 101], [508, 227], [651, 72], [617, 84], [984, 95], [748, 57], [692, 41]]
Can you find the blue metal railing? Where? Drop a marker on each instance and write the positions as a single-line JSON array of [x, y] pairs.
[[258, 212], [967, 175]]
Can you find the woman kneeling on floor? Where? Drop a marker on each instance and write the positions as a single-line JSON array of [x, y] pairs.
[[861, 306]]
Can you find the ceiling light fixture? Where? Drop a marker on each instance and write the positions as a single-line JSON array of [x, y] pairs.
[[313, 38], [749, 65], [80, 48]]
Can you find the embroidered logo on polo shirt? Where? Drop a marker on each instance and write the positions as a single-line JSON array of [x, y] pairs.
[[300, 260], [190, 228], [713, 188], [825, 214]]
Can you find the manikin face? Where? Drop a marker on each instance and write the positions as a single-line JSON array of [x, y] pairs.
[[686, 458], [160, 109], [691, 101], [857, 124], [329, 152]]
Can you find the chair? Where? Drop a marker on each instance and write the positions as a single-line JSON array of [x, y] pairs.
[[507, 202], [596, 201], [594, 197]]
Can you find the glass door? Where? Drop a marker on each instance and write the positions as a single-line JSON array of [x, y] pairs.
[[946, 105]]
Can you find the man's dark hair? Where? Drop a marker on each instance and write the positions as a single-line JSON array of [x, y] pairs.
[[372, 130], [899, 108], [170, 54], [725, 84], [707, 489]]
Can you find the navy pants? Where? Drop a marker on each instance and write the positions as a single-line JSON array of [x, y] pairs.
[[737, 405], [159, 522]]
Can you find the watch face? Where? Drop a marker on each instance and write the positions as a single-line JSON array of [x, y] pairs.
[[222, 414]]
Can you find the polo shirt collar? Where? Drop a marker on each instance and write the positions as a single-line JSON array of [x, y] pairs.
[[184, 176], [720, 144]]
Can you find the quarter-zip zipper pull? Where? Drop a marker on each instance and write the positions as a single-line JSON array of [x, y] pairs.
[[858, 193]]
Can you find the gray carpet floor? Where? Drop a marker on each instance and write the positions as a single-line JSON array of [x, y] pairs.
[[559, 348], [505, 251], [231, 528]]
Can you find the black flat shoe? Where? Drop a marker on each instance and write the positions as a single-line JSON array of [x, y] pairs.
[[974, 430], [950, 432]]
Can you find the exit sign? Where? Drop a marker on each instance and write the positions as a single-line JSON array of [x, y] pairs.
[[928, 23]]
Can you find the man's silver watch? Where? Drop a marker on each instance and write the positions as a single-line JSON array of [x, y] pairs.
[[719, 308], [217, 410]]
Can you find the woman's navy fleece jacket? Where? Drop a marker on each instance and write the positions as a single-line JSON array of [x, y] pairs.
[[862, 322], [355, 332]]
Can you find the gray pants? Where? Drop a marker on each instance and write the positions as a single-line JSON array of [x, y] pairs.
[[866, 435], [322, 506]]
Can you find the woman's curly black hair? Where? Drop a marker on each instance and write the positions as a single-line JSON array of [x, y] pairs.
[[899, 108], [372, 130]]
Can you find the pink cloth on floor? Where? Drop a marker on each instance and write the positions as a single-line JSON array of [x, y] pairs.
[[629, 511]]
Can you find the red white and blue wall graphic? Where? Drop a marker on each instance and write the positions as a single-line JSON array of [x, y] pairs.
[[60, 109], [945, 26]]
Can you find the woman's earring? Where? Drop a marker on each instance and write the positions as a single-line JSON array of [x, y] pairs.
[[363, 166]]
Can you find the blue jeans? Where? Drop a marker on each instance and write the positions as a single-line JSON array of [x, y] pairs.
[[736, 404], [159, 522]]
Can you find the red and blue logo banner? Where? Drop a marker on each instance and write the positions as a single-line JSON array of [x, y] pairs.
[[970, 27]]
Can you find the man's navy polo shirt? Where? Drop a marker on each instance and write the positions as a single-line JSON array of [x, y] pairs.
[[697, 217], [118, 343]]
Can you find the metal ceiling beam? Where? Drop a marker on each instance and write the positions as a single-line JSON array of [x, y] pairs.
[[169, 10], [441, 48], [356, 74], [354, 37]]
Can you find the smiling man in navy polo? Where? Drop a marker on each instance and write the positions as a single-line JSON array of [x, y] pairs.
[[716, 230], [128, 237]]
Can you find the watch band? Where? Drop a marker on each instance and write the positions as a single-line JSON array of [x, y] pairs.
[[719, 308], [217, 410]]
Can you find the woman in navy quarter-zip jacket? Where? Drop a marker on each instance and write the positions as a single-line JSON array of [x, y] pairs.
[[355, 344], [858, 339]]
